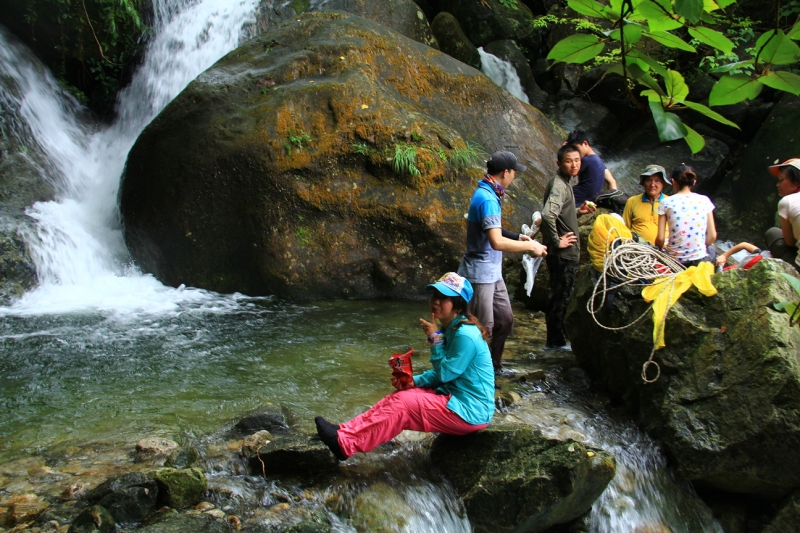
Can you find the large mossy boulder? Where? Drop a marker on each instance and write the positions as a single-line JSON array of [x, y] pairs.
[[180, 488], [453, 41], [286, 168], [727, 403], [484, 21], [512, 479]]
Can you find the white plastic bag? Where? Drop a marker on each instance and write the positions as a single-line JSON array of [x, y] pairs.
[[531, 266]]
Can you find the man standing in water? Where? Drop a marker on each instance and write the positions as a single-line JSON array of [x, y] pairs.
[[486, 241], [560, 234]]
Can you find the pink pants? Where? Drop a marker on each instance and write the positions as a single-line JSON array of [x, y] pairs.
[[417, 409]]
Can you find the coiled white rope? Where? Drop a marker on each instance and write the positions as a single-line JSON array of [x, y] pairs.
[[630, 262]]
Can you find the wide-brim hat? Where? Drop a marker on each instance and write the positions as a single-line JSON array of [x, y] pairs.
[[776, 169], [451, 284], [656, 169]]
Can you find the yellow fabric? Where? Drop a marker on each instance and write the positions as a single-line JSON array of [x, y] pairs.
[[598, 237], [641, 216], [699, 276]]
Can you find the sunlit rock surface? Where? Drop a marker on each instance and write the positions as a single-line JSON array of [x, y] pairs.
[[727, 404], [511, 478], [272, 173]]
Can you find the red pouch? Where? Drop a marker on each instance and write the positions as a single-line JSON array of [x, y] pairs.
[[401, 363]]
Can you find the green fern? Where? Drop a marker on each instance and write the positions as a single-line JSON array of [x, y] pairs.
[[405, 160]]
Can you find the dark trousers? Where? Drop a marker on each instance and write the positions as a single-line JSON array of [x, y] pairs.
[[492, 307], [562, 277]]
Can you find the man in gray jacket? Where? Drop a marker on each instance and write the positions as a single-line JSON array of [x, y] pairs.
[[560, 235]]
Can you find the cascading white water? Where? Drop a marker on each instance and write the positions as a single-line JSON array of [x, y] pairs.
[[503, 74], [79, 251]]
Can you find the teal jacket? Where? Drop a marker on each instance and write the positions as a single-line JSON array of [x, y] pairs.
[[462, 367]]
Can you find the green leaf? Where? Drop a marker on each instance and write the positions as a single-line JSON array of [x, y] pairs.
[[694, 140], [733, 89], [709, 6], [793, 281], [590, 8], [725, 3], [782, 81], [700, 108], [794, 33], [659, 15], [653, 96], [777, 49], [690, 9], [639, 74], [676, 87], [669, 40], [670, 127], [633, 33], [733, 66], [577, 48], [787, 307], [712, 38], [657, 67]]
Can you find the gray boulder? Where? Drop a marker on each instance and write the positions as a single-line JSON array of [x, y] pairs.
[[727, 404], [180, 488], [453, 41], [172, 522], [492, 20], [130, 498], [95, 519], [512, 479], [294, 454], [274, 171]]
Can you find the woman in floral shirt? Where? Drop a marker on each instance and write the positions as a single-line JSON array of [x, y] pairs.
[[690, 219]]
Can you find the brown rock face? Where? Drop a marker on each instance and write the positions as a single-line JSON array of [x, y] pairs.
[[329, 157]]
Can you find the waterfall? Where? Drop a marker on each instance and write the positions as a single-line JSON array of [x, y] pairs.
[[79, 251], [503, 74]]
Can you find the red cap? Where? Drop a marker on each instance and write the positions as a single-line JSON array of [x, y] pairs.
[[793, 162]]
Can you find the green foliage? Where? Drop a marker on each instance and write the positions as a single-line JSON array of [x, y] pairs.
[[471, 154], [362, 149], [296, 140], [416, 136], [114, 29], [442, 153], [644, 32], [511, 4], [791, 308], [404, 160], [303, 236]]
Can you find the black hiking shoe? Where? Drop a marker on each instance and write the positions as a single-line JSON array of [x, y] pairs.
[[328, 434]]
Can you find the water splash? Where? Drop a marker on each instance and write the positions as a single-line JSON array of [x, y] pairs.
[[503, 74], [79, 250]]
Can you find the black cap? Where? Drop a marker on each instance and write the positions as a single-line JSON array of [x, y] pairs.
[[503, 160]]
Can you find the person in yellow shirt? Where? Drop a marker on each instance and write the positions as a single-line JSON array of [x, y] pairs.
[[641, 211]]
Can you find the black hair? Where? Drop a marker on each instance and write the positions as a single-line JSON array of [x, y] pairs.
[[460, 306], [792, 173], [577, 136], [564, 150], [683, 175]]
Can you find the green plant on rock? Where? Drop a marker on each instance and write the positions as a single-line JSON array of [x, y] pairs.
[[296, 139], [471, 154], [642, 29], [404, 160], [363, 149], [303, 236], [511, 4], [416, 136], [791, 308]]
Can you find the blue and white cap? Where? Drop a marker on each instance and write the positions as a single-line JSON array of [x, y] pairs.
[[451, 284]]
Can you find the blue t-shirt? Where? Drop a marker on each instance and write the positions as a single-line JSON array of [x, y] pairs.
[[481, 262], [590, 179]]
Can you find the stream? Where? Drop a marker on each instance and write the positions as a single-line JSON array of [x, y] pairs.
[[100, 355]]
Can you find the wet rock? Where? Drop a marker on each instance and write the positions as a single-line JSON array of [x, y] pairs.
[[380, 509], [156, 446], [453, 41], [268, 417], [95, 519], [196, 523], [492, 20], [184, 457], [130, 498], [748, 186], [22, 467], [253, 443], [507, 50], [511, 478], [272, 172], [788, 516], [294, 454], [595, 119], [20, 509], [180, 488], [727, 404], [317, 523]]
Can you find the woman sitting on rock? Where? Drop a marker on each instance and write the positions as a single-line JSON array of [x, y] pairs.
[[456, 396], [782, 242], [690, 219]]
